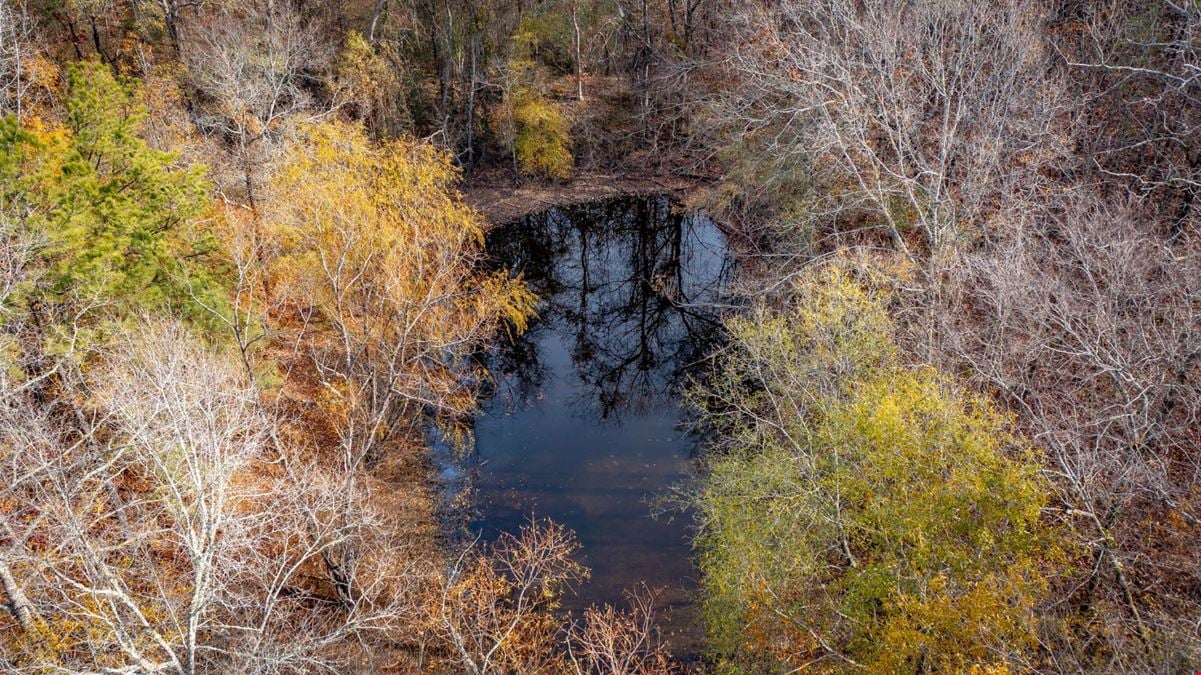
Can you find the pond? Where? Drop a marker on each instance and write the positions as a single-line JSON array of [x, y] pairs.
[[584, 425]]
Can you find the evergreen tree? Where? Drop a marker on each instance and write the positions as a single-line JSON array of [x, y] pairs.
[[114, 219]]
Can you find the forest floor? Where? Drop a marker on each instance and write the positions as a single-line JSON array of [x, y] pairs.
[[495, 194]]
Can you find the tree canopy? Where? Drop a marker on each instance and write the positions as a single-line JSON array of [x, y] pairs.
[[888, 521], [113, 219]]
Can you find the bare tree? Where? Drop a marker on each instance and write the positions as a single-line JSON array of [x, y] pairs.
[[1084, 319], [148, 531], [496, 609], [255, 68], [16, 53], [188, 434], [909, 116], [193, 433], [1136, 71], [609, 640]]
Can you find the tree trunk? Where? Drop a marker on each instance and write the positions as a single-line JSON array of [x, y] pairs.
[[171, 22], [646, 68], [375, 17], [690, 9], [471, 85], [579, 64], [18, 604]]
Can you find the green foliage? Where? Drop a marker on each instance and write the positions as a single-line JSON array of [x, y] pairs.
[[544, 38], [542, 143], [113, 215], [864, 515]]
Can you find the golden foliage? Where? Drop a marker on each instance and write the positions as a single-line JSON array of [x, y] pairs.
[[543, 140], [371, 82], [378, 246], [866, 515]]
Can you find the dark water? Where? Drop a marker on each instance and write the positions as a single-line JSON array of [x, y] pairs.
[[584, 425]]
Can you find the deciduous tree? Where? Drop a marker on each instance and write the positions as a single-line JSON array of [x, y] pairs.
[[153, 529], [380, 254], [862, 515], [911, 117], [254, 67]]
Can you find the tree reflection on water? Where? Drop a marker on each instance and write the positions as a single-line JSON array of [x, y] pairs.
[[584, 424], [632, 281]]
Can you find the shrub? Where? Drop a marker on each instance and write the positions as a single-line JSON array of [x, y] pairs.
[[542, 143]]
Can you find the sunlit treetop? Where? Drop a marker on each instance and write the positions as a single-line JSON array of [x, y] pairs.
[[112, 216]]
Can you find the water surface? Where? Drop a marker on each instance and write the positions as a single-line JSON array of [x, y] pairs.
[[584, 426]]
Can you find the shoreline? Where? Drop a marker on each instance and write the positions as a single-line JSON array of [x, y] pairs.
[[502, 202]]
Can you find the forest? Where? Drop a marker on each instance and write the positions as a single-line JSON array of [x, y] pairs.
[[947, 419]]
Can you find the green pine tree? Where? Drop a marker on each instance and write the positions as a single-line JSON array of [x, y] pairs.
[[113, 219]]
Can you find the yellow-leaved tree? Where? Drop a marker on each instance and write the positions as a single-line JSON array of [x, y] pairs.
[[527, 121], [862, 515], [379, 257]]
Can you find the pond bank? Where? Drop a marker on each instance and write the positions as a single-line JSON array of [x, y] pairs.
[[501, 201]]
